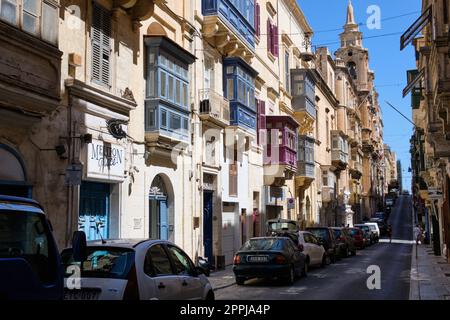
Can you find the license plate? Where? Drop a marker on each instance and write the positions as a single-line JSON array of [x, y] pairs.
[[258, 259], [83, 294]]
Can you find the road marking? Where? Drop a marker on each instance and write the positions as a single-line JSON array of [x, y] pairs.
[[398, 241]]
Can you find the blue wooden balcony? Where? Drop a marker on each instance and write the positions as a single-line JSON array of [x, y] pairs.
[[237, 16], [239, 89]]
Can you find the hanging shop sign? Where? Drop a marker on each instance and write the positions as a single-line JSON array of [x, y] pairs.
[[105, 161]]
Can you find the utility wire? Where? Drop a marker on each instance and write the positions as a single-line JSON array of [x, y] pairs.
[[361, 24], [401, 113]]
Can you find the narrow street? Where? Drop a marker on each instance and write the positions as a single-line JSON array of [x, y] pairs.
[[347, 278]]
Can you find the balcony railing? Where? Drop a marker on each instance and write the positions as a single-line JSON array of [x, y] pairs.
[[285, 156], [214, 107], [305, 169], [339, 155]]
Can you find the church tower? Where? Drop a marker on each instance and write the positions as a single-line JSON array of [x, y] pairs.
[[352, 52]]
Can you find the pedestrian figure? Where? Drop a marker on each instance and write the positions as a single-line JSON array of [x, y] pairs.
[[389, 233], [417, 233]]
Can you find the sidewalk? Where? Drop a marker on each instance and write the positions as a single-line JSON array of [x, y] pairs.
[[222, 279], [430, 275]]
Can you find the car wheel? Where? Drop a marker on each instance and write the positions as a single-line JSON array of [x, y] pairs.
[[240, 281], [354, 252], [305, 268], [325, 260], [210, 296], [290, 278], [346, 254]]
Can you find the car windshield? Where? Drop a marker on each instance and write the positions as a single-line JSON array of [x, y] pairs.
[[102, 262], [26, 235], [288, 226], [365, 228], [319, 233], [354, 232], [263, 244], [372, 227], [337, 233]]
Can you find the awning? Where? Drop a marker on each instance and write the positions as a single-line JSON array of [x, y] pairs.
[[415, 28], [414, 78]]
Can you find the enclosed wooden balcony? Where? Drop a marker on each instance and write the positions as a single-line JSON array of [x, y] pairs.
[[339, 150], [305, 165], [280, 153], [214, 108], [303, 98], [230, 28]]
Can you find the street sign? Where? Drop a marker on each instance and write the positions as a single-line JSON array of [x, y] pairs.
[[74, 174], [290, 203]]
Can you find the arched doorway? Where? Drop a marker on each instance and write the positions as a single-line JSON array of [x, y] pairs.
[[159, 210], [13, 179]]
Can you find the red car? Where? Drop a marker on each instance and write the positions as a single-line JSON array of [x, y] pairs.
[[358, 236]]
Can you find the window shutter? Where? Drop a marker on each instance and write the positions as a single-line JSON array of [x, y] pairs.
[[261, 118], [269, 36], [257, 19], [275, 41], [101, 44]]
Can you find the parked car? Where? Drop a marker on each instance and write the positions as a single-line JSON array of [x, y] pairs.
[[368, 232], [313, 249], [361, 242], [29, 258], [326, 235], [269, 257], [374, 229], [135, 270], [347, 244]]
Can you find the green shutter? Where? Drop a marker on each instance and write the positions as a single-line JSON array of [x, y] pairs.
[[101, 45]]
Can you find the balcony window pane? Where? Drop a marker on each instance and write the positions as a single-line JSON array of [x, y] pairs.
[[163, 118], [49, 23], [185, 124], [170, 78], [241, 91], [8, 11], [230, 70], [184, 101], [175, 122], [162, 83], [29, 16], [151, 119], [178, 92], [230, 89], [151, 84]]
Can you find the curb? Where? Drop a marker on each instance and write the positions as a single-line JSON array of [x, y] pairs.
[[225, 286], [414, 285]]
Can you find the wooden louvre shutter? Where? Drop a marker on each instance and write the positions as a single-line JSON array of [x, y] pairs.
[[101, 44], [261, 118], [275, 41], [257, 19], [269, 36]]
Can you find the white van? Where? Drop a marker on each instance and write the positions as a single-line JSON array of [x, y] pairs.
[[374, 228]]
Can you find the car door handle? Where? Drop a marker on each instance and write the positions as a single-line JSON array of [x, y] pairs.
[[161, 285], [184, 283]]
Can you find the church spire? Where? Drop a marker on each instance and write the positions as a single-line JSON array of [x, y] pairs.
[[350, 14]]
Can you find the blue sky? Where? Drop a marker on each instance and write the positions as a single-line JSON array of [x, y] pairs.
[[386, 59]]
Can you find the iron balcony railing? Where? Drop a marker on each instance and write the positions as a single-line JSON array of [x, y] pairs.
[[214, 105]]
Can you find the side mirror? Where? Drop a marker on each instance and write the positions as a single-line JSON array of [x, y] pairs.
[[203, 266], [79, 246]]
